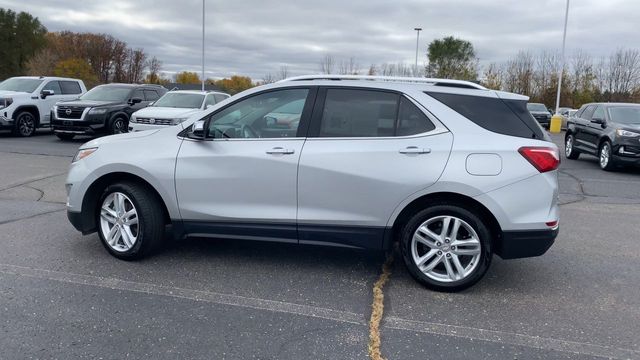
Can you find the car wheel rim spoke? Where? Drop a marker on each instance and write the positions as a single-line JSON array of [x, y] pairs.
[[119, 222], [446, 248]]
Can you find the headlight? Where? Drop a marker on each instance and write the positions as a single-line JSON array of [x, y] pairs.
[[83, 153], [5, 102], [179, 120], [133, 119], [626, 133], [97, 111]]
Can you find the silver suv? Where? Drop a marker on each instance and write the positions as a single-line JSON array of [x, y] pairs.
[[452, 171]]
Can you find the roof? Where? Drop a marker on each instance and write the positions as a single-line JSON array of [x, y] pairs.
[[198, 92], [46, 78], [207, 87], [613, 104], [133, 85]]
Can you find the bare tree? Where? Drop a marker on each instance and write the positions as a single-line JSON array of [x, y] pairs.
[[283, 73], [326, 64], [624, 71], [493, 76], [348, 67], [268, 79], [373, 70], [519, 73]]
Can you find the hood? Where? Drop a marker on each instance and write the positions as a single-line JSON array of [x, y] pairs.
[[630, 127], [9, 93], [160, 112], [117, 138], [540, 112], [87, 103]]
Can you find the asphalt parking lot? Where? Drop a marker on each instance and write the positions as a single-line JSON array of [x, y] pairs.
[[63, 296]]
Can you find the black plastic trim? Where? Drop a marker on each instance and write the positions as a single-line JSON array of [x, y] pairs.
[[82, 222], [524, 243]]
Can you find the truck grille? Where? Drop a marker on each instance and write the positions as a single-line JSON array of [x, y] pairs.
[[154, 121], [70, 112]]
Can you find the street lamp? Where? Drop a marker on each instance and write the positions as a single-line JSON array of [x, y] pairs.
[[415, 70], [556, 119], [202, 45]]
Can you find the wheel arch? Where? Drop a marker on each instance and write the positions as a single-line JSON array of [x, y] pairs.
[[90, 201], [30, 108], [450, 198]]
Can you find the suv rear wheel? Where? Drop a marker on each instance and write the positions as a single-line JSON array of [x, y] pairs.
[[25, 124], [130, 221], [446, 247]]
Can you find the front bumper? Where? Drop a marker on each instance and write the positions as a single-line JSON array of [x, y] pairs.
[[6, 122], [90, 125], [524, 243], [81, 222], [627, 152], [135, 127]]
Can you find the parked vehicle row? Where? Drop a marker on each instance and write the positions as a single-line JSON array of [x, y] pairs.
[[26, 101], [610, 131], [63, 104], [451, 170]]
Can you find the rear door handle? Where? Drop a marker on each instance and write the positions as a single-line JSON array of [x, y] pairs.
[[280, 151], [414, 150]]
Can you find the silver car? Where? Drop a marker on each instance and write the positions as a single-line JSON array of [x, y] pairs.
[[452, 171]]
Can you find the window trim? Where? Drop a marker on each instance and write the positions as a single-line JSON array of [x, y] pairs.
[[316, 120]]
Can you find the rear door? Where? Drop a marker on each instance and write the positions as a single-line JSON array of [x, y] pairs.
[[583, 122], [367, 151]]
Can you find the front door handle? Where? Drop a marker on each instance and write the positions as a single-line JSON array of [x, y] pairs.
[[414, 150], [280, 151]]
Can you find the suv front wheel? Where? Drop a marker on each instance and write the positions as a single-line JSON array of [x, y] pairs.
[[605, 156], [569, 150], [446, 247], [25, 124], [130, 221]]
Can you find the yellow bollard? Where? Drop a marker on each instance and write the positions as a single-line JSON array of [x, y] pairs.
[[556, 124]]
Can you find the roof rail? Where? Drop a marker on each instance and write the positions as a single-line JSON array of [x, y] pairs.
[[431, 81]]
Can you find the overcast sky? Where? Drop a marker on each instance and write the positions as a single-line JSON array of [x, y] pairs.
[[252, 37]]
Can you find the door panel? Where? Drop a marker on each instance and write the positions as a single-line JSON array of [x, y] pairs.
[[581, 129], [237, 180], [359, 182]]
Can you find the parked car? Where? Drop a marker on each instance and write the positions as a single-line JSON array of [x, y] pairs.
[[105, 109], [451, 170], [26, 101], [566, 113], [540, 113], [173, 108], [610, 131]]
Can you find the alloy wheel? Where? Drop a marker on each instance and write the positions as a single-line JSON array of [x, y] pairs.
[[26, 124], [119, 222], [568, 147], [605, 155], [119, 126], [446, 248]]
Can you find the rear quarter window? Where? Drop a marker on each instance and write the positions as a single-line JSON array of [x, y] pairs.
[[507, 117]]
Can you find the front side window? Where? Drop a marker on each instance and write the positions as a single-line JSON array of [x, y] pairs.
[[220, 97], [586, 114], [20, 85], [54, 86], [599, 113], [210, 100], [138, 94], [260, 116], [150, 95]]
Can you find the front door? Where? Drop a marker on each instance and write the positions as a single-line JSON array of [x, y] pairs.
[[45, 105], [241, 182]]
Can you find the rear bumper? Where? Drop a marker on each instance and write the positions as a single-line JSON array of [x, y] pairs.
[[524, 243]]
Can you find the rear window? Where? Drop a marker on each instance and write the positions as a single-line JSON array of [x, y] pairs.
[[502, 116]]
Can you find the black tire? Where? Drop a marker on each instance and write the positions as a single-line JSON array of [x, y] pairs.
[[608, 165], [66, 137], [569, 149], [443, 209], [25, 124], [119, 125], [151, 225]]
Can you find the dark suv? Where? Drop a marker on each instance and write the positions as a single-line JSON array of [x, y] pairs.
[[105, 109], [611, 131], [540, 113]]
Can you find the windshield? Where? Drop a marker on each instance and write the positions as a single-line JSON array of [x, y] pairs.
[[22, 85], [107, 93], [625, 114], [536, 107], [180, 100]]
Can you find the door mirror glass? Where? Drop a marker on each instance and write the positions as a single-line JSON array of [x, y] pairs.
[[45, 93], [197, 130]]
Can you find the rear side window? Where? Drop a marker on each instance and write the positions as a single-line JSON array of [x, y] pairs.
[[220, 97], [507, 117], [70, 87], [367, 113]]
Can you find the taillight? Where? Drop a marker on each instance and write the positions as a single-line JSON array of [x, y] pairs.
[[542, 158]]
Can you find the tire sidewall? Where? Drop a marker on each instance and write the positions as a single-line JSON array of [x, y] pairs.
[[112, 126], [610, 165], [573, 154], [138, 248], [464, 214]]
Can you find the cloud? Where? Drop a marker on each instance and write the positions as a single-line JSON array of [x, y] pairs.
[[257, 37]]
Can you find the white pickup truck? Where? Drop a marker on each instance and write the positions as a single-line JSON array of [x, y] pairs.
[[26, 101]]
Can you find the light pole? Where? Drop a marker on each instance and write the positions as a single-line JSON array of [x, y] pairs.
[[202, 45], [415, 69], [564, 39]]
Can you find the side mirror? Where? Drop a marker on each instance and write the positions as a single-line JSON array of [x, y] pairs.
[[151, 103], [135, 101], [597, 121], [45, 93], [197, 130]]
